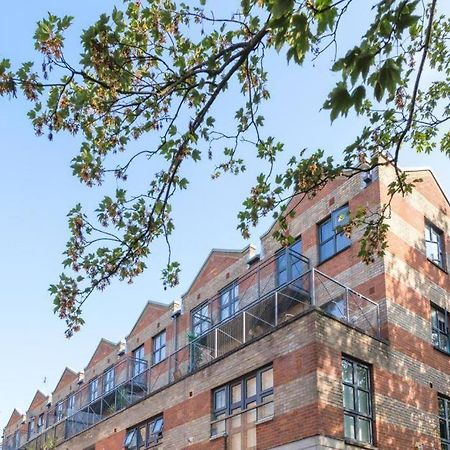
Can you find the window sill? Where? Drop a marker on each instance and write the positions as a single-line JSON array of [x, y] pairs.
[[360, 444], [438, 266], [333, 255], [445, 352], [218, 436], [159, 362], [266, 419]]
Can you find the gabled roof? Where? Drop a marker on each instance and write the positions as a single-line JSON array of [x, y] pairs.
[[14, 418], [68, 376], [230, 256], [428, 169], [151, 308], [104, 348], [38, 398]]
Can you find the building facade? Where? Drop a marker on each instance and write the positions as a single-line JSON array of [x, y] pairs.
[[304, 347]]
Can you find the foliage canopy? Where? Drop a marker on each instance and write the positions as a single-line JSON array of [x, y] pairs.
[[160, 66]]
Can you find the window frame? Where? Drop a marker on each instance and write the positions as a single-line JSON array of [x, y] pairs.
[[258, 398], [70, 403], [354, 413], [109, 384], [285, 257], [195, 322], [139, 365], [445, 418], [435, 309], [40, 424], [332, 218], [159, 353], [59, 411], [231, 306], [94, 393], [150, 439], [431, 228]]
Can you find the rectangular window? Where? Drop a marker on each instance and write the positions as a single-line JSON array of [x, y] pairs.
[[108, 380], [31, 428], [434, 244], [145, 435], [17, 439], [93, 390], [357, 400], [40, 423], [331, 237], [254, 390], [229, 301], [70, 404], [201, 319], [159, 347], [439, 328], [139, 363], [59, 411], [290, 263], [444, 422]]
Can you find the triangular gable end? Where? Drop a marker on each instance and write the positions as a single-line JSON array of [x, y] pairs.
[[294, 203], [14, 418], [433, 179], [38, 399], [151, 312], [217, 261], [104, 348], [67, 377]]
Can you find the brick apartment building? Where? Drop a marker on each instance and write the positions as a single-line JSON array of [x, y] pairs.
[[297, 348]]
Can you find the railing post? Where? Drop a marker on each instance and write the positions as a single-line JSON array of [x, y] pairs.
[[347, 309], [243, 328], [215, 343], [276, 308], [313, 287], [379, 320], [259, 281]]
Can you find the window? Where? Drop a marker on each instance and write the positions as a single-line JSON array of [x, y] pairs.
[[254, 390], [434, 245], [40, 423], [439, 328], [229, 301], [444, 422], [93, 390], [31, 428], [201, 319], [145, 435], [331, 239], [159, 347], [108, 380], [289, 263], [139, 363], [17, 439], [70, 404], [357, 399], [59, 411]]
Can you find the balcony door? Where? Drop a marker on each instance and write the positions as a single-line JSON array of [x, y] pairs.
[[289, 263]]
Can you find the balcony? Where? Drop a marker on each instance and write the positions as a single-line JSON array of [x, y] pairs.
[[275, 291], [120, 386]]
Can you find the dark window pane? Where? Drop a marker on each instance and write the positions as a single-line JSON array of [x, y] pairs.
[[347, 371], [327, 250], [326, 230], [349, 427], [349, 398], [342, 241]]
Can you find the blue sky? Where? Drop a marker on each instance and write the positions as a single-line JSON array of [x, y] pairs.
[[38, 191]]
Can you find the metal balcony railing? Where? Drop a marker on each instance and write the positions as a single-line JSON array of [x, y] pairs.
[[275, 291], [117, 388]]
